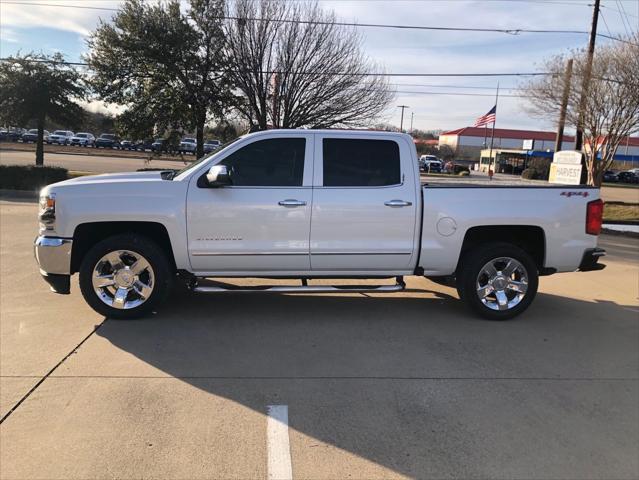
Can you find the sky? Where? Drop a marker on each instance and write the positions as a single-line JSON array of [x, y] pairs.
[[53, 28]]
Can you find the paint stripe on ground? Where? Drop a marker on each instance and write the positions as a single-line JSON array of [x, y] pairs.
[[277, 442]]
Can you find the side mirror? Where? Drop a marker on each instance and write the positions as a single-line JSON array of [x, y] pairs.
[[218, 176]]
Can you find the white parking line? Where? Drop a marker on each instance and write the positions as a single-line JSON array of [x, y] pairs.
[[277, 442]]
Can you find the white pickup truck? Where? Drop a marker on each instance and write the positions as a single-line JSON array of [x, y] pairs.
[[309, 204]]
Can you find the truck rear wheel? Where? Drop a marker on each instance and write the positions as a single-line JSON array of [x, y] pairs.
[[125, 276], [498, 280]]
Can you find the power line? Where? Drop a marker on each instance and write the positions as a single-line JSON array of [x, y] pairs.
[[430, 85], [461, 94], [354, 74], [620, 12], [508, 31]]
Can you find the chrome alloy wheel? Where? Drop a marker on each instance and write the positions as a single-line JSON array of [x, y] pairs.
[[502, 283], [123, 279]]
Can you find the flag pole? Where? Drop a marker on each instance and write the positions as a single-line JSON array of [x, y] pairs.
[[492, 138]]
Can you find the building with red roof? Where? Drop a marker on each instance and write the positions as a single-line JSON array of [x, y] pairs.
[[468, 142]]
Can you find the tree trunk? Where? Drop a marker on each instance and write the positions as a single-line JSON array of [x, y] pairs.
[[39, 144], [199, 138]]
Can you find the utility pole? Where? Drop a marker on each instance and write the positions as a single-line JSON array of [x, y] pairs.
[[401, 123], [564, 106], [412, 114], [579, 137]]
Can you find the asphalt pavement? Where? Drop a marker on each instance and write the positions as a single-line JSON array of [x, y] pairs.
[[87, 163], [405, 385]]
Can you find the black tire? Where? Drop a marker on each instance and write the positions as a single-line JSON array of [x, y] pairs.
[[141, 245], [471, 267]]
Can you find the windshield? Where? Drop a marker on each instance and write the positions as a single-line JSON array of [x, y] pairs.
[[81, 135], [188, 140], [33, 130], [204, 158], [60, 132], [108, 136]]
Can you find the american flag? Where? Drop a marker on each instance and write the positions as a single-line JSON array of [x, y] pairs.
[[488, 118]]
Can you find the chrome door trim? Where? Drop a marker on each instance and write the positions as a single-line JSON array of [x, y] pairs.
[[244, 254]]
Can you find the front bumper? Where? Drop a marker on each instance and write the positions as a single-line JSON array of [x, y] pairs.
[[589, 262], [53, 255]]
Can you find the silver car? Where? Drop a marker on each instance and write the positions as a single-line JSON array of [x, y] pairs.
[[82, 139], [188, 145], [61, 137]]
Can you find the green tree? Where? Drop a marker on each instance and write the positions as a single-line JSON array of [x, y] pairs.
[[37, 88], [164, 64]]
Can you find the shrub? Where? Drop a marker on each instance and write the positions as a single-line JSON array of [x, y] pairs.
[[541, 167], [30, 177], [529, 174]]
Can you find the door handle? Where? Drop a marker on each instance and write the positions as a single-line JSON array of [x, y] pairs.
[[398, 203], [289, 202]]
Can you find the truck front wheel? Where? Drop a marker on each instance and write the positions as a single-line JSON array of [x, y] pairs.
[[124, 276], [498, 280]]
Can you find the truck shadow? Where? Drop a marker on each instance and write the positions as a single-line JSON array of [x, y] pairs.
[[412, 382]]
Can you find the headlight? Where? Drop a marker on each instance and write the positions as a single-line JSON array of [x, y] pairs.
[[46, 213]]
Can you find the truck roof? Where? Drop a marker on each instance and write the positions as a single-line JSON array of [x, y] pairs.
[[354, 132]]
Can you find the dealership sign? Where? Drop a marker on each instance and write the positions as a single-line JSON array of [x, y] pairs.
[[566, 168]]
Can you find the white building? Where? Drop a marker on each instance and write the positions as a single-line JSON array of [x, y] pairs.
[[468, 142]]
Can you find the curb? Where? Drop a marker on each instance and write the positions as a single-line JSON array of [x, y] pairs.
[[6, 193]]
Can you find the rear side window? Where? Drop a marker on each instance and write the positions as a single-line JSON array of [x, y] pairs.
[[360, 163], [276, 162]]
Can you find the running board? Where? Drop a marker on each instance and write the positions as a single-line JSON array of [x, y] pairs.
[[399, 286]]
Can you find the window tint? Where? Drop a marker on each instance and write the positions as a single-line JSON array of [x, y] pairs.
[[360, 163], [277, 162]]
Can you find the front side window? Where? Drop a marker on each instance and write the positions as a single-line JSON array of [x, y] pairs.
[[360, 163], [276, 162]]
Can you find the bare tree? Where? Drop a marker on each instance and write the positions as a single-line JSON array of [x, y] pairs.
[[296, 68], [611, 101]]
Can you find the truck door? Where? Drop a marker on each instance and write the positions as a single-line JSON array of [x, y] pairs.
[[260, 223], [365, 203]]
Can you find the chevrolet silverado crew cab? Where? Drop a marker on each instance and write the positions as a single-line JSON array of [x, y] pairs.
[[310, 204]]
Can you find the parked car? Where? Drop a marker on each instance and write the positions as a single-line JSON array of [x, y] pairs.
[[187, 145], [158, 145], [127, 145], [82, 139], [430, 164], [107, 140], [211, 145], [286, 222], [610, 177], [32, 136], [143, 145], [11, 134], [61, 137], [628, 177]]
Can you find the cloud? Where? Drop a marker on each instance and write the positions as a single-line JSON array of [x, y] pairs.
[[8, 35], [78, 20]]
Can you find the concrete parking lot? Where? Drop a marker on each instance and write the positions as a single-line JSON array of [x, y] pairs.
[[405, 385]]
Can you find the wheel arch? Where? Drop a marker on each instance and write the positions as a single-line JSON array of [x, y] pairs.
[[530, 238], [86, 235]]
